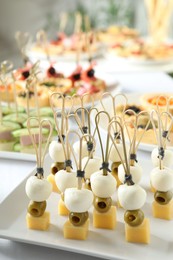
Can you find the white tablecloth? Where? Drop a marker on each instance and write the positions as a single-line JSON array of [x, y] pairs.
[[136, 82]]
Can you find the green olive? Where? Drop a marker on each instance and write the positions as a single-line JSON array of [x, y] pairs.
[[37, 209], [55, 167], [78, 219], [102, 204], [134, 217], [163, 198], [114, 167], [62, 196], [87, 184]]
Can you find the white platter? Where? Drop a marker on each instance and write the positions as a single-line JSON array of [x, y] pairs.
[[101, 243], [67, 57], [18, 156], [137, 61]]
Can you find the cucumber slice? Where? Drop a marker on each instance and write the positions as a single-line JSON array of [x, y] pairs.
[[7, 146], [44, 112], [24, 131], [10, 110], [17, 147], [22, 117], [34, 123], [8, 125]]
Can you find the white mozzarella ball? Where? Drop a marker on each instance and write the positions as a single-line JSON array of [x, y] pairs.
[[93, 165], [136, 172], [38, 189], [131, 197], [76, 147], [114, 156], [78, 200], [162, 179], [65, 180], [167, 160], [103, 186], [56, 151]]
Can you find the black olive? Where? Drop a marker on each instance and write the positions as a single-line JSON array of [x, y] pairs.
[[76, 76], [134, 108], [52, 71], [25, 74], [90, 73]]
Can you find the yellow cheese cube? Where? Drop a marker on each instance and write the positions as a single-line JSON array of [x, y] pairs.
[[106, 220], [51, 179], [38, 223], [139, 234], [74, 232], [62, 210], [163, 211]]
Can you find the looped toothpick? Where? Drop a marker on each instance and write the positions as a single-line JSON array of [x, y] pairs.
[[59, 97], [40, 152], [78, 161], [23, 40], [136, 125], [41, 37], [5, 68], [114, 101], [125, 161], [63, 21], [105, 155], [85, 125]]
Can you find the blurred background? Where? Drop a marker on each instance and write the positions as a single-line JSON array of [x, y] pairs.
[[33, 15]]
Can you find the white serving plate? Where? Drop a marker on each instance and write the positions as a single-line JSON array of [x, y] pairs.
[[137, 61], [18, 156], [109, 244], [67, 57]]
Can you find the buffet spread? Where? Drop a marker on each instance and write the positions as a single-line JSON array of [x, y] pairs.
[[91, 135]]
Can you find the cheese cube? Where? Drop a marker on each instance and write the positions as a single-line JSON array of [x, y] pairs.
[[51, 179], [75, 232], [105, 220], [163, 211], [139, 234], [38, 223], [62, 210]]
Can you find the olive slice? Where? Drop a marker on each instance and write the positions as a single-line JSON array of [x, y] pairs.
[[134, 217], [78, 219], [62, 196], [37, 209], [87, 184], [163, 198], [55, 167], [114, 167], [102, 204]]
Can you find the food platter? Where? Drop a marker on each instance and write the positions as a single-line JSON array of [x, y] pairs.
[[101, 243], [138, 61]]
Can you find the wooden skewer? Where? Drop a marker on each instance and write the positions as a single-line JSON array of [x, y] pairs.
[[15, 94], [40, 152], [1, 117], [78, 161], [42, 40], [63, 22]]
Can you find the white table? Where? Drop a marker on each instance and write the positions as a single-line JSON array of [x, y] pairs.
[[141, 82]]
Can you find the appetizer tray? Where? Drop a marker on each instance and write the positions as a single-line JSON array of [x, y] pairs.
[[18, 156], [101, 243]]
